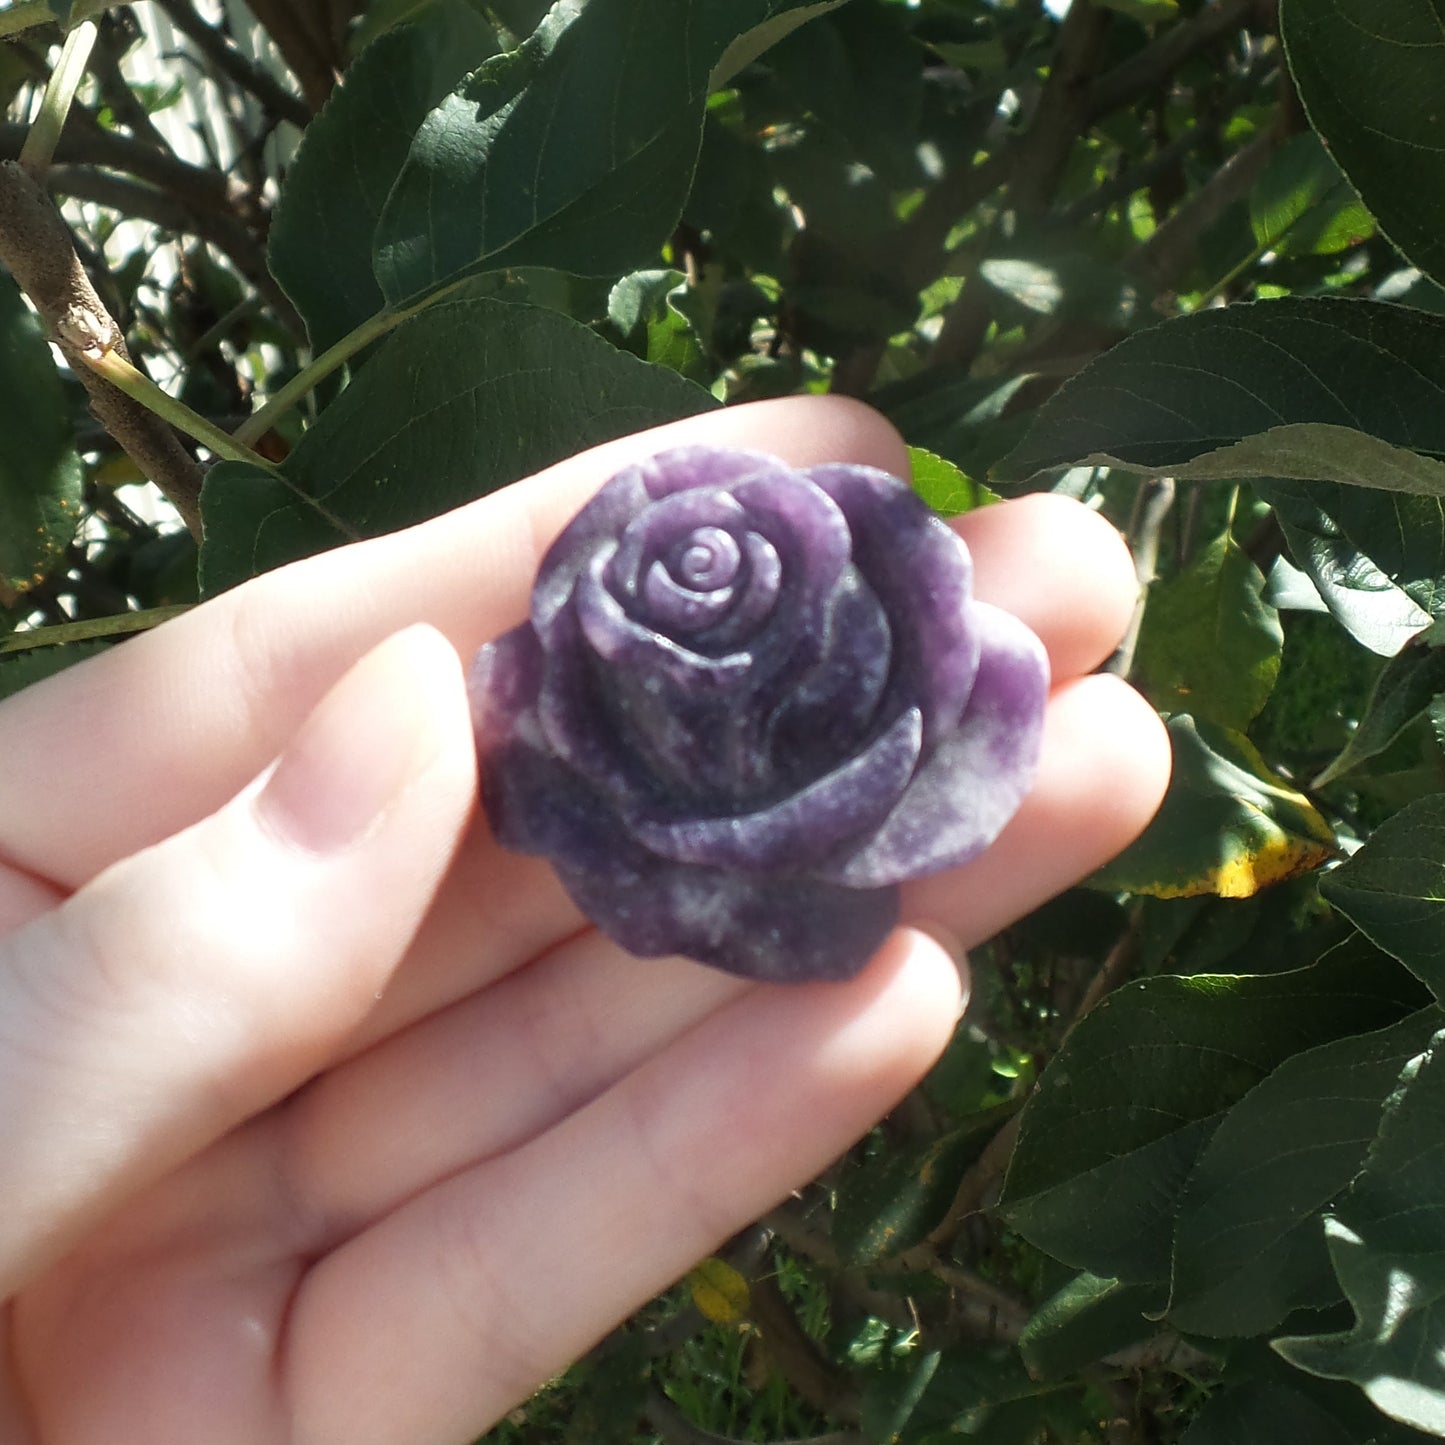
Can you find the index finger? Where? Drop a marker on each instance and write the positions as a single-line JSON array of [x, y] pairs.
[[122, 751]]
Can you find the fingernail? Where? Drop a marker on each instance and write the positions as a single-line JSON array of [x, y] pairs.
[[365, 743]]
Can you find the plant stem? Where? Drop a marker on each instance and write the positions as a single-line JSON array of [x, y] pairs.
[[139, 387], [121, 624], [333, 358], [44, 136], [29, 14]]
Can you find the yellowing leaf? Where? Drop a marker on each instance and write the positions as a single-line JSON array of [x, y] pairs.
[[719, 1291], [1228, 825]]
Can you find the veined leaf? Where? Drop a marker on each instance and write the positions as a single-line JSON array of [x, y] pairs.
[[350, 156], [1393, 889], [1403, 692], [575, 151], [1202, 383], [462, 399], [1364, 69], [1249, 1242], [1118, 1122], [1210, 645], [1387, 1242]]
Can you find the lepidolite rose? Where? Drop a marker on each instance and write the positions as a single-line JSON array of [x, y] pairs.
[[750, 701]]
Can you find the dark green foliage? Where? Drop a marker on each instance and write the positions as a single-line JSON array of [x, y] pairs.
[[1069, 255]]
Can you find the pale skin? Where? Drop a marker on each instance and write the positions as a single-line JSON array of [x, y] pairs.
[[324, 1120]]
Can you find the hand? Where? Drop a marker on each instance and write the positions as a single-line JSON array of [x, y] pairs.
[[321, 1118]]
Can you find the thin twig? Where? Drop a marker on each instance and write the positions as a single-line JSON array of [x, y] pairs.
[[1156, 497], [217, 225], [115, 90], [1114, 970], [813, 1377], [1147, 69], [122, 624], [313, 62], [40, 143]]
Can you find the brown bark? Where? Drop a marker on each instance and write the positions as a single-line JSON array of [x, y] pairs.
[[37, 248]]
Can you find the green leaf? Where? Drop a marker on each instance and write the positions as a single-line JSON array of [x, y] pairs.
[[748, 46], [638, 297], [1403, 692], [27, 668], [1086, 1320], [40, 473], [1387, 1242], [1265, 1412], [1302, 205], [1200, 383], [1378, 561], [1065, 285], [957, 417], [945, 487], [1228, 824], [1210, 645], [350, 156], [1368, 72], [1310, 451], [575, 151], [462, 399], [1393, 889], [888, 1205], [1120, 1117], [650, 303], [1249, 1244]]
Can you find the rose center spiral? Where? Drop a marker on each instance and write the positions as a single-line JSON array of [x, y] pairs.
[[709, 559]]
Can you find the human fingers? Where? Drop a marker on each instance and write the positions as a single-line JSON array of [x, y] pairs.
[[501, 1065], [1056, 563], [198, 981], [1059, 567], [166, 727], [459, 1303], [1102, 774]]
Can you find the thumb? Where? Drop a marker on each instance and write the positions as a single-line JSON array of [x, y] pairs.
[[192, 984]]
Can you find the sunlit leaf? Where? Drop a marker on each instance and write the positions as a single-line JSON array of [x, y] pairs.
[[1387, 1241], [1210, 645]]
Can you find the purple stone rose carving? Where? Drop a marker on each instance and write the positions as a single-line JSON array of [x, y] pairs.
[[750, 701]]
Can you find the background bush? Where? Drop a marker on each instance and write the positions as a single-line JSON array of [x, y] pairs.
[[1180, 1176]]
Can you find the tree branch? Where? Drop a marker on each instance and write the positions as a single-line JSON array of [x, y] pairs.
[[228, 235], [1036, 165], [37, 248], [814, 1377], [219, 51], [1169, 252], [313, 59], [180, 196], [1149, 68]]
